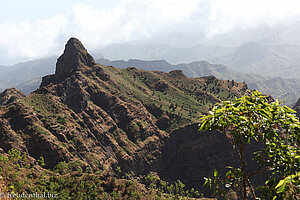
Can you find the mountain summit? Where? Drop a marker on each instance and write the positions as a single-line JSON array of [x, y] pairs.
[[74, 58]]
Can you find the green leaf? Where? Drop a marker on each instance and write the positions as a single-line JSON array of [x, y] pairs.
[[215, 173], [289, 109], [203, 123], [280, 187]]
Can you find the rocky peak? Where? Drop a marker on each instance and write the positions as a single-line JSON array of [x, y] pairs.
[[74, 58]]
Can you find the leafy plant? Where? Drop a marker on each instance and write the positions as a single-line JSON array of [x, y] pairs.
[[253, 118]]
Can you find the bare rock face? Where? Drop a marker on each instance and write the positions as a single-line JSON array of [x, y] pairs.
[[68, 82], [190, 155], [75, 57]]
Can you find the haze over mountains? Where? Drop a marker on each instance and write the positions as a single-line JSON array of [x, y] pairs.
[[119, 115], [283, 89], [12, 76], [266, 58], [287, 90]]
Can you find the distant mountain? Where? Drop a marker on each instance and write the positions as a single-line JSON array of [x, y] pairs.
[[286, 34], [151, 65], [237, 37], [193, 69], [215, 54], [27, 76], [267, 60], [287, 90], [11, 76], [29, 86], [252, 62]]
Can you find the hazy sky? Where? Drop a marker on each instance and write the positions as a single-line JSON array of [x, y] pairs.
[[33, 28]]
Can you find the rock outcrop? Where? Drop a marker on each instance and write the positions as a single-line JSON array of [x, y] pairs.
[[74, 58]]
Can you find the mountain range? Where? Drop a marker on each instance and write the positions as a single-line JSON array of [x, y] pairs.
[[24, 73], [268, 63], [267, 60], [285, 89], [104, 118], [110, 127]]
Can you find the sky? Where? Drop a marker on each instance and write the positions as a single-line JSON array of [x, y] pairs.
[[34, 29]]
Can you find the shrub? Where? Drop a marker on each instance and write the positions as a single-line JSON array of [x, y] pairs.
[[254, 118]]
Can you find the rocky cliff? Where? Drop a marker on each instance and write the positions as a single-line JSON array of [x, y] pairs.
[[189, 156]]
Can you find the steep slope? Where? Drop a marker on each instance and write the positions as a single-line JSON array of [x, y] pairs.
[[189, 156], [104, 116], [24, 75], [283, 89], [67, 126]]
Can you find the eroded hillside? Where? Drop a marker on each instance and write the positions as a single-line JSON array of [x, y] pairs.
[[107, 117]]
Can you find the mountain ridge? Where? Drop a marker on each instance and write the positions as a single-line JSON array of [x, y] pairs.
[[116, 115], [287, 90]]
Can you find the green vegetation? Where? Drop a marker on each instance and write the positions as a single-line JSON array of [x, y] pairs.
[[42, 103], [70, 181], [183, 99], [89, 133], [252, 119]]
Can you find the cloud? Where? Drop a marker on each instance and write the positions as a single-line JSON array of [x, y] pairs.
[[226, 15], [132, 19], [31, 39], [135, 19]]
